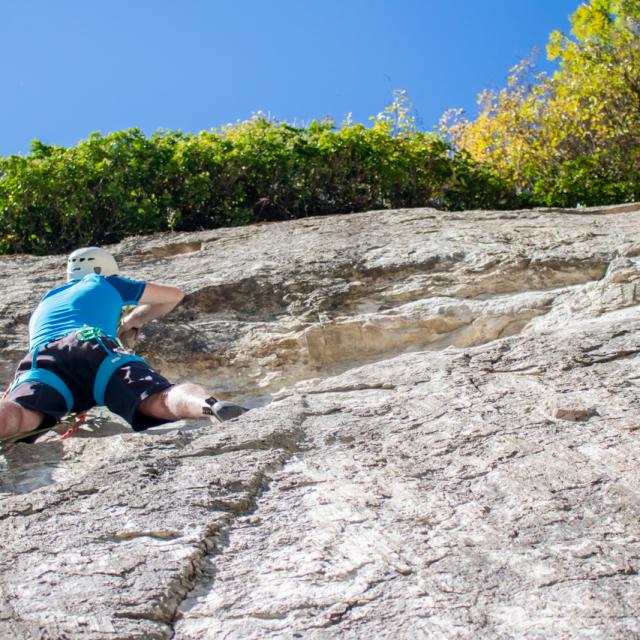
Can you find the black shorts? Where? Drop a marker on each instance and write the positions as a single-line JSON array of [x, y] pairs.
[[77, 362]]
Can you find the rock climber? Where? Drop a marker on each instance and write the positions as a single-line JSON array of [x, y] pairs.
[[76, 359]]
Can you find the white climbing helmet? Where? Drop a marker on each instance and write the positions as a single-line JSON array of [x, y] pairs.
[[88, 260]]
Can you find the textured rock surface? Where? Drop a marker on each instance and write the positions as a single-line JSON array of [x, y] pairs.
[[447, 444]]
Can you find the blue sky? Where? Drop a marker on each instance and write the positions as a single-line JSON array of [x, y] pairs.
[[71, 67]]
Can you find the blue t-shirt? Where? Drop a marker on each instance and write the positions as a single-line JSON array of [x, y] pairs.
[[93, 301]]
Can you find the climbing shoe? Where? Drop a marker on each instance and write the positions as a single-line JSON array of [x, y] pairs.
[[222, 410]]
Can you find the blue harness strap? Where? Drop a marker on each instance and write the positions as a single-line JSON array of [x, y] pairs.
[[109, 365], [49, 378], [106, 369]]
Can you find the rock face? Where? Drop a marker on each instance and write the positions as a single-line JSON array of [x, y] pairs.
[[444, 442]]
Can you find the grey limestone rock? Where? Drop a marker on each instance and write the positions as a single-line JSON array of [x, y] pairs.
[[444, 441]]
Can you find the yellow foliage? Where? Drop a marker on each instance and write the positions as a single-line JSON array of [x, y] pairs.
[[589, 108]]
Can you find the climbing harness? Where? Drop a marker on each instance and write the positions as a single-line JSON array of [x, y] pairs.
[[106, 369]]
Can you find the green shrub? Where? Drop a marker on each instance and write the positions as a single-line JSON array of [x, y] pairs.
[[108, 187]]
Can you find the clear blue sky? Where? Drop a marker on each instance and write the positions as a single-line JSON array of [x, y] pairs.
[[71, 67]]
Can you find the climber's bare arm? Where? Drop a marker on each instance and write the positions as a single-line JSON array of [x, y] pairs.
[[157, 300]]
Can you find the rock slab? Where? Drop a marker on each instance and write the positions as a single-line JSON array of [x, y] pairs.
[[444, 442]]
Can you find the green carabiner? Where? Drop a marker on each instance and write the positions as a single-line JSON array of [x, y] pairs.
[[88, 333]]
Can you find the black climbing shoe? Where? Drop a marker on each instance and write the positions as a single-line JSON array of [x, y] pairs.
[[222, 410]]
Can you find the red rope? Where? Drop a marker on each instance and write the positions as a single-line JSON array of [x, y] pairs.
[[78, 421]]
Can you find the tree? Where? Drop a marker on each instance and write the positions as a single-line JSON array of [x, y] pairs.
[[574, 136]]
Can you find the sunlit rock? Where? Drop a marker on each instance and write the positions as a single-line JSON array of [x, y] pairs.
[[444, 441]]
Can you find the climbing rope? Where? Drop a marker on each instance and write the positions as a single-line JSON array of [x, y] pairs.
[[78, 420]]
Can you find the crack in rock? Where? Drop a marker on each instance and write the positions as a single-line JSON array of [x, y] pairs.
[[213, 543], [287, 441]]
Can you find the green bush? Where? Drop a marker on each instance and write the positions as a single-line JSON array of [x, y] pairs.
[[586, 181], [108, 187]]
